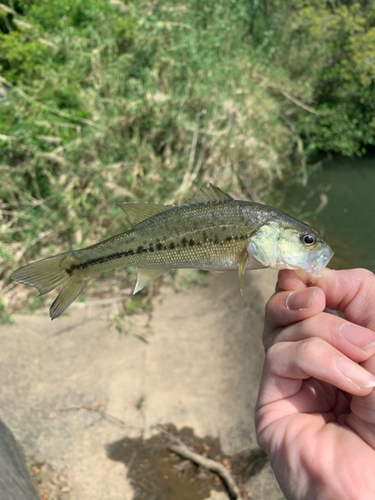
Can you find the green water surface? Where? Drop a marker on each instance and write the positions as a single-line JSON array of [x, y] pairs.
[[347, 221]]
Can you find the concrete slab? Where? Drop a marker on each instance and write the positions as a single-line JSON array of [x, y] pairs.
[[196, 363]]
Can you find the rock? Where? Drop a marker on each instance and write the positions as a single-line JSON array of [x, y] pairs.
[[15, 482]]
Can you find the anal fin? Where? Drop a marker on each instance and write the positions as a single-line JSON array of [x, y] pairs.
[[147, 274]]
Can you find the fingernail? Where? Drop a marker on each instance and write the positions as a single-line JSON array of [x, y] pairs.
[[357, 335], [301, 300], [358, 375]]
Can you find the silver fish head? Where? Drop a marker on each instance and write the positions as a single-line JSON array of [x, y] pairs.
[[294, 246]]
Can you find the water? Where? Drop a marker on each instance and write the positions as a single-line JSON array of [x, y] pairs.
[[157, 474], [347, 221]]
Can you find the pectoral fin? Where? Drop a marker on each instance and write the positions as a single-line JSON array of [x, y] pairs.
[[147, 274], [241, 269]]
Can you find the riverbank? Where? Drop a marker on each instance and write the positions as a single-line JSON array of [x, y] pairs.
[[75, 387], [104, 102]]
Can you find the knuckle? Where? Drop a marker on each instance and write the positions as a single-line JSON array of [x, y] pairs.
[[366, 289], [321, 327], [271, 353], [271, 305], [310, 347], [367, 282], [269, 339], [365, 274]]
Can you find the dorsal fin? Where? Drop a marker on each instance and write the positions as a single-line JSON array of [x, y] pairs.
[[138, 212], [210, 193]]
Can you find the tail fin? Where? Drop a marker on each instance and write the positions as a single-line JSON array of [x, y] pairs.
[[47, 274]]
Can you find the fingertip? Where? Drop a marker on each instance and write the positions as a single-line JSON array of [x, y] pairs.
[[285, 308]]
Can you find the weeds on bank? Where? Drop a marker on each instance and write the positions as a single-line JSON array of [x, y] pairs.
[[188, 278], [5, 317], [137, 304], [122, 325]]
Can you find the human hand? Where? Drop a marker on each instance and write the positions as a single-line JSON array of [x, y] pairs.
[[315, 413]]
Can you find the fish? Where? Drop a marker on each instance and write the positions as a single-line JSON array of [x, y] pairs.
[[212, 232]]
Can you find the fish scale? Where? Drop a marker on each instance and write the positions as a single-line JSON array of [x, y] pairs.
[[214, 232]]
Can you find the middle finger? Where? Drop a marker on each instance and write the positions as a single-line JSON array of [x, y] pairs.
[[356, 342]]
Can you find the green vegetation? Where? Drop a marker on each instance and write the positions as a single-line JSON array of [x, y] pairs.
[[188, 278], [104, 102], [36, 303], [138, 304], [122, 325], [5, 317], [140, 403], [327, 48]]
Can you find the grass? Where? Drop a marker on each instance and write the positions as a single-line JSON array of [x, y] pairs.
[[122, 325], [5, 317], [188, 278], [136, 305], [140, 402]]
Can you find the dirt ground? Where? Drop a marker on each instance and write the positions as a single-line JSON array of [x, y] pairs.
[[75, 389]]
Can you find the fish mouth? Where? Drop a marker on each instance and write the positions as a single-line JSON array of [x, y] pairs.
[[321, 262]]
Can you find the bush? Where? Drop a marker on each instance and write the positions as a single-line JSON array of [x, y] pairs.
[[328, 50]]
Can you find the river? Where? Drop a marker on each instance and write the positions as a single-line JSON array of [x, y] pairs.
[[339, 201]]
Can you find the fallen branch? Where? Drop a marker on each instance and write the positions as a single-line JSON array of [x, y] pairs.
[[323, 202], [299, 147], [94, 407], [7, 9], [287, 95], [22, 24], [212, 465], [181, 449], [18, 255], [294, 99], [189, 175], [249, 189], [7, 137]]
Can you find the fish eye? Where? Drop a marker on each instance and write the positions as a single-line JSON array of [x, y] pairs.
[[308, 239]]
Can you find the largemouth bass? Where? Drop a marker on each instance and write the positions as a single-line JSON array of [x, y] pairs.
[[214, 232]]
